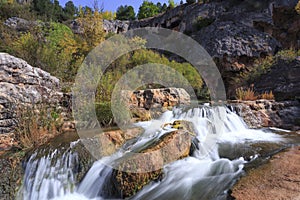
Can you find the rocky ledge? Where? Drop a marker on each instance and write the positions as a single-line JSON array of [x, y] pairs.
[[23, 85], [266, 113], [278, 179]]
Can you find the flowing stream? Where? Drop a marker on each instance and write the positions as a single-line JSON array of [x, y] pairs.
[[223, 148]]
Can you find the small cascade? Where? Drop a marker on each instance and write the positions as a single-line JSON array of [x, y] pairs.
[[49, 174], [203, 175]]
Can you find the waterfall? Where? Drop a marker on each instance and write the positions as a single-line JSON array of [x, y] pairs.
[[203, 175], [49, 174]]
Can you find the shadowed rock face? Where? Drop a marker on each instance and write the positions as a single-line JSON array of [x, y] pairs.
[[23, 85], [282, 79]]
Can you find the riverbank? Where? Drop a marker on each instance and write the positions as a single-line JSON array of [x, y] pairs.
[[277, 179]]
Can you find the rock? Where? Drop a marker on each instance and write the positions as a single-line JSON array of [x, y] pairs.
[[23, 85], [7, 141], [282, 80], [75, 27], [111, 141], [12, 174], [115, 26], [147, 104], [133, 172], [286, 27], [277, 179], [68, 126], [20, 24], [229, 40], [265, 113], [233, 33]]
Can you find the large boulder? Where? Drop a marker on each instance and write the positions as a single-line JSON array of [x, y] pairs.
[[150, 103], [23, 85], [133, 172]]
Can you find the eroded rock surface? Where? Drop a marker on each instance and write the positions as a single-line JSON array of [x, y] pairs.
[[23, 85], [268, 113], [282, 80]]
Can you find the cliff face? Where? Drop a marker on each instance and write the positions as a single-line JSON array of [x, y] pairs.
[[235, 33], [23, 85]]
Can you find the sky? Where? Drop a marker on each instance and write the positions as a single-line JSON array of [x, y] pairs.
[[112, 5]]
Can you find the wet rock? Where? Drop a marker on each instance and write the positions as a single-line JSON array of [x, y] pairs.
[[278, 179], [111, 141], [134, 171], [23, 85]]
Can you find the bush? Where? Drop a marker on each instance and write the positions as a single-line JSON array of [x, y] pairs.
[[261, 66], [104, 114]]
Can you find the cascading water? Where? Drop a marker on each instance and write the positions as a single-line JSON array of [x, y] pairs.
[[204, 175], [50, 175]]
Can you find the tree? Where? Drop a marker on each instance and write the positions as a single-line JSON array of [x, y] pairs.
[[92, 24], [164, 8], [159, 6], [181, 2], [171, 4], [147, 9], [125, 13], [48, 9], [70, 10], [191, 1]]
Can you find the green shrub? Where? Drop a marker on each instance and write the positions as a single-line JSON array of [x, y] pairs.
[[288, 55], [104, 113], [261, 66]]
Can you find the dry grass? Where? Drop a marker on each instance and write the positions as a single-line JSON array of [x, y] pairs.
[[297, 8], [36, 127], [267, 95], [250, 95], [247, 94]]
